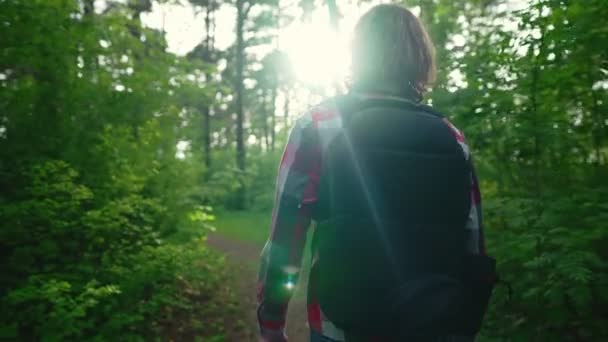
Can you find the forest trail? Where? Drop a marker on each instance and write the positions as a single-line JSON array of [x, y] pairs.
[[243, 257]]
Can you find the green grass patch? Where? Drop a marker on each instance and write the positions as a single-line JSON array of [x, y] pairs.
[[251, 226]]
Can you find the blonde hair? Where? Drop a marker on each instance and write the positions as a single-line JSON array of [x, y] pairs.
[[392, 52]]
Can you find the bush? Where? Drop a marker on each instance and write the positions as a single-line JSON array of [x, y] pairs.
[[178, 291], [552, 252], [75, 269]]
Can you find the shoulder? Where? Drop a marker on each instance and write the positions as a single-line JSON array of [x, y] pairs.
[[459, 136], [320, 114], [455, 131]]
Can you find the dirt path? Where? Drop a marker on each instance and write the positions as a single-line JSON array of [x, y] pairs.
[[244, 257]]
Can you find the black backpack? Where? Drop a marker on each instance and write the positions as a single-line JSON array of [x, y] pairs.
[[395, 195]]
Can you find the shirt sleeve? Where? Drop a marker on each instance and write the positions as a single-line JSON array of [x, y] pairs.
[[296, 192], [475, 242]]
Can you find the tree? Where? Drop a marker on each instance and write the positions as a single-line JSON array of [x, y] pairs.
[[241, 16], [243, 8], [276, 73], [91, 186], [206, 52]]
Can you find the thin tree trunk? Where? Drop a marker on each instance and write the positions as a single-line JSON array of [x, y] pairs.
[[536, 138], [286, 110], [265, 109], [597, 128], [535, 116], [537, 129], [207, 136], [89, 16], [273, 99], [240, 64], [273, 92], [207, 108], [334, 15], [334, 21]]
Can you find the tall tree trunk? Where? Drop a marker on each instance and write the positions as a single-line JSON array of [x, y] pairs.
[[534, 102], [286, 110], [334, 21], [334, 15], [275, 85], [240, 65], [273, 99], [89, 17], [207, 107], [265, 110], [597, 120], [207, 135]]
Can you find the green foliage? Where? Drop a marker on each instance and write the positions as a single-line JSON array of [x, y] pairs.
[[53, 309], [103, 215], [262, 186], [177, 291], [90, 189], [555, 263], [73, 271]]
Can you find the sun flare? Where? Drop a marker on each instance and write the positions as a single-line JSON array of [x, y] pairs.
[[319, 54]]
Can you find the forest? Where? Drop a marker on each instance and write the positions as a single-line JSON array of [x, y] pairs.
[[122, 160]]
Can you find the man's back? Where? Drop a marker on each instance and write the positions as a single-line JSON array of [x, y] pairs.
[[303, 194]]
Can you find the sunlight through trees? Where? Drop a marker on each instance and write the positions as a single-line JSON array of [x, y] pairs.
[[124, 124]]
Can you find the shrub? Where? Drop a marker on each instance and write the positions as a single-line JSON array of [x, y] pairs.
[[74, 269], [551, 251]]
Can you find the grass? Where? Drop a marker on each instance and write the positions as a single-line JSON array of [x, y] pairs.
[[251, 226]]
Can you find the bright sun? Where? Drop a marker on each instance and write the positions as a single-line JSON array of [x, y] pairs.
[[319, 54]]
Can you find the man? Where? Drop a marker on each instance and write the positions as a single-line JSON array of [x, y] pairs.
[[392, 186]]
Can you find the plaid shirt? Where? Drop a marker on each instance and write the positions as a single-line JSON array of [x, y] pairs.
[[296, 192]]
